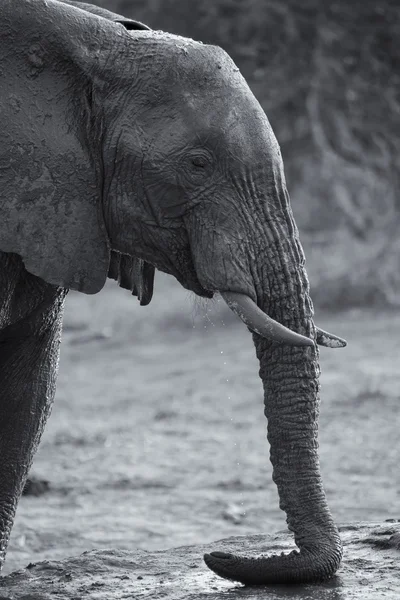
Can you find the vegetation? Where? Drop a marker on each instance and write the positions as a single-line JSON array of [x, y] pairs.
[[328, 75]]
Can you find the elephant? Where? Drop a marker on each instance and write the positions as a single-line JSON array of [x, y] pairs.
[[125, 150]]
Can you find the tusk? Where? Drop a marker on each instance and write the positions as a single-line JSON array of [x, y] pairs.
[[329, 340], [261, 323]]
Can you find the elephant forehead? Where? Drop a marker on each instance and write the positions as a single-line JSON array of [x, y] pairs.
[[212, 91], [205, 96], [233, 119], [182, 62], [206, 67]]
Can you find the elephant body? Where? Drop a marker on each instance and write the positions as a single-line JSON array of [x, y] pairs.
[[124, 150]]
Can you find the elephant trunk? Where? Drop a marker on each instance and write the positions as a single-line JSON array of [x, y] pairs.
[[291, 397]]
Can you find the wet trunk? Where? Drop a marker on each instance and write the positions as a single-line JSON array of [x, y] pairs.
[[291, 397]]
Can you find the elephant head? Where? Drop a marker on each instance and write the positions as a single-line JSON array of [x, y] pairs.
[[153, 147]]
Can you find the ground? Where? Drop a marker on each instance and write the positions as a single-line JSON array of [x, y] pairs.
[[369, 571], [157, 437]]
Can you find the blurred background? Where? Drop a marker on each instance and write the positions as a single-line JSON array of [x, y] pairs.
[[157, 436]]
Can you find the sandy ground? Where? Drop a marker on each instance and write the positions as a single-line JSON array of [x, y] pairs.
[[157, 437]]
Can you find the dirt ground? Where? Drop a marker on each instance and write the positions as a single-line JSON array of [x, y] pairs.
[[369, 571], [157, 437]]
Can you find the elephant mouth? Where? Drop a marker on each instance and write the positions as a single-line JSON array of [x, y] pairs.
[[183, 269], [191, 283]]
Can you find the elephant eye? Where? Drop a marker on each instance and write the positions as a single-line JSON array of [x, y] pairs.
[[200, 162], [197, 166]]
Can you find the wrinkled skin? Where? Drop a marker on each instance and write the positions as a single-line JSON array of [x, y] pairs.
[[122, 151]]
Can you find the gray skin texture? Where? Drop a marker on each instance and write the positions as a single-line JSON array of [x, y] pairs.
[[151, 146]]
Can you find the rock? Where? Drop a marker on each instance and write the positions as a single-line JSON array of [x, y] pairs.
[[370, 570], [35, 487], [394, 541], [233, 513], [92, 336]]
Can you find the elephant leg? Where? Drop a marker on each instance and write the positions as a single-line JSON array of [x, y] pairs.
[[29, 351]]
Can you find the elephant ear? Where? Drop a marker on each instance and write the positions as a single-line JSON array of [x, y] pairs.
[[107, 14], [133, 274], [50, 175]]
